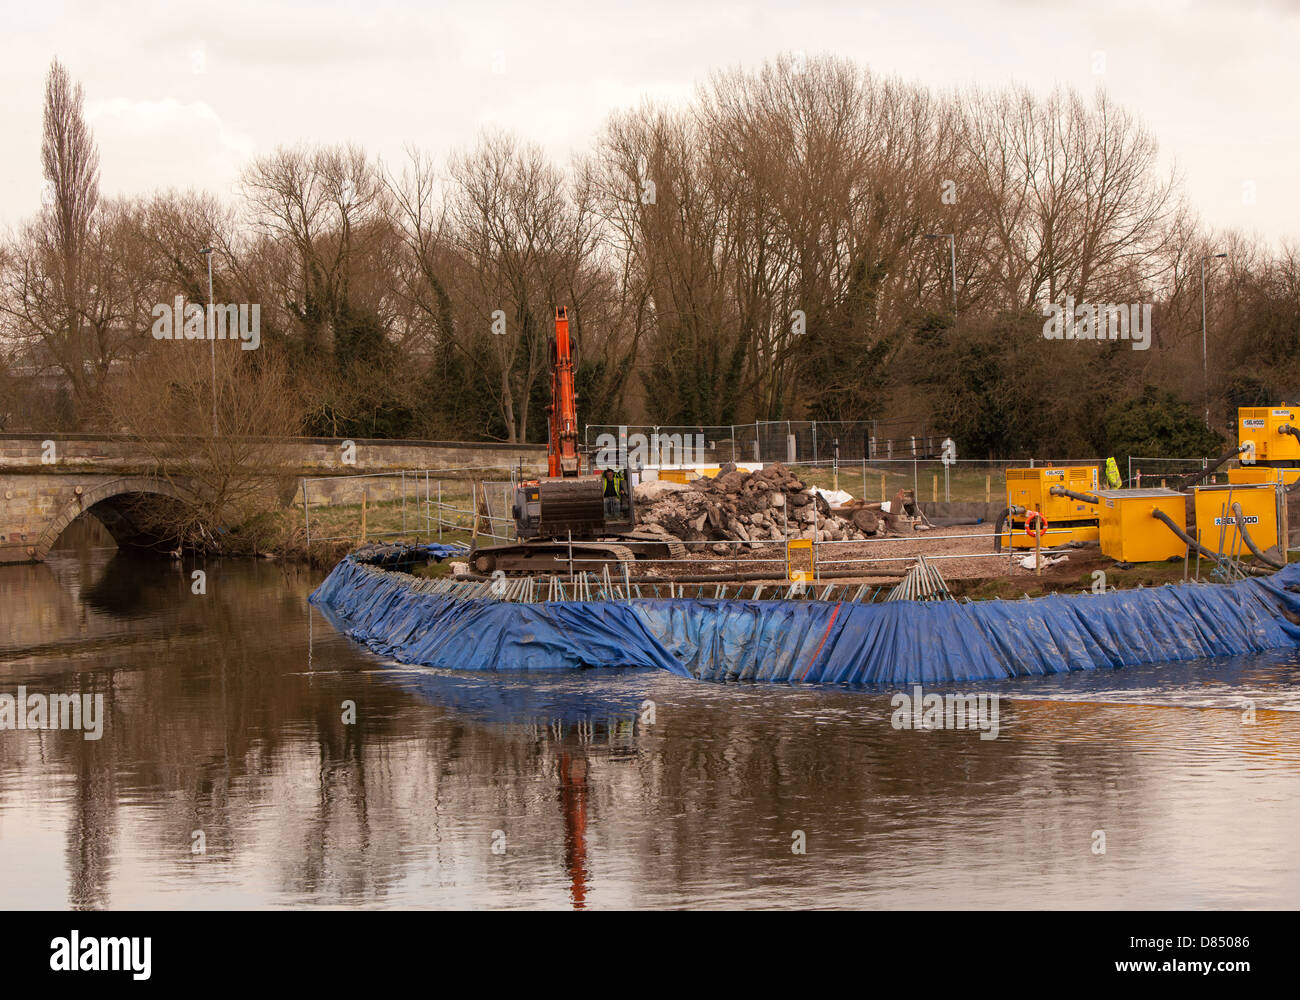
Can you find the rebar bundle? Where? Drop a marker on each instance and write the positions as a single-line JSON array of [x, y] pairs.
[[923, 582]]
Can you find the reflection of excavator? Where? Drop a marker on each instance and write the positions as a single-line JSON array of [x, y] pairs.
[[573, 802], [562, 521]]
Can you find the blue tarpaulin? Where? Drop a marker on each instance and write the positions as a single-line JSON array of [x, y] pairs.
[[816, 641]]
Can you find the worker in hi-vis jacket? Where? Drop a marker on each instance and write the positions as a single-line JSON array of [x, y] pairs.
[[610, 493]]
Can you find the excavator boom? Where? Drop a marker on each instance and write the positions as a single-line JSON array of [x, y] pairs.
[[562, 442]]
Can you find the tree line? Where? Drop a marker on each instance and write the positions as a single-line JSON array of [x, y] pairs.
[[777, 247]]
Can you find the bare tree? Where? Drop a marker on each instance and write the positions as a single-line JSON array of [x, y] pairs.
[[56, 288], [229, 478], [519, 241]]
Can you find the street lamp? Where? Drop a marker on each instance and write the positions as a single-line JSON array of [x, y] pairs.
[[212, 338], [952, 256], [1205, 349]]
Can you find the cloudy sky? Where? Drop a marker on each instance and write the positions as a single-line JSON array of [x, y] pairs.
[[182, 95]]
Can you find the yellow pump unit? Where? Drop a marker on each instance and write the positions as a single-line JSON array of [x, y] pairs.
[[1255, 474], [1263, 513], [1068, 519], [1129, 530], [1268, 432]]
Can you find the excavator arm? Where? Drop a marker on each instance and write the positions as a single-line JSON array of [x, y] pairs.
[[562, 441]]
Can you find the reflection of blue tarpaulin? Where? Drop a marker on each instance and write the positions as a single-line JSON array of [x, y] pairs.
[[558, 696], [815, 641]]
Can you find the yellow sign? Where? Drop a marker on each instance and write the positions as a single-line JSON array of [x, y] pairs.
[[801, 575]]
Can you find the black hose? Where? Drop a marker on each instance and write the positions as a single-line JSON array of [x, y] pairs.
[[1061, 491], [1015, 509], [1160, 515], [1191, 477], [997, 529], [1250, 542]]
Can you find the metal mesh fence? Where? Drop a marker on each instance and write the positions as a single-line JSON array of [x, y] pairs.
[[789, 441], [414, 503], [1166, 471], [966, 480]]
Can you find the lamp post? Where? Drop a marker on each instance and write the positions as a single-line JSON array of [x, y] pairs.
[[952, 259], [212, 338], [1205, 343]]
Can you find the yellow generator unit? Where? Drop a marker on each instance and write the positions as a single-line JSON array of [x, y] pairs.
[[1068, 519], [1262, 428], [1131, 533], [1263, 513], [1254, 474]]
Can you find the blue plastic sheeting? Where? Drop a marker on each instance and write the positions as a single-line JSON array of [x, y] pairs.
[[815, 641], [383, 611]]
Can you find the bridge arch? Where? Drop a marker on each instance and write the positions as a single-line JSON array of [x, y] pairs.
[[112, 503]]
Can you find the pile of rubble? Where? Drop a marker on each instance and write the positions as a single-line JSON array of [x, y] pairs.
[[772, 504]]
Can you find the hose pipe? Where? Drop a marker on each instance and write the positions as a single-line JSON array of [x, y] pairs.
[[1168, 522], [1001, 522], [997, 528], [1250, 542], [1061, 491], [1191, 477]]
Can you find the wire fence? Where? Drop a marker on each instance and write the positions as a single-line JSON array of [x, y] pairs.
[[1166, 471], [411, 503], [789, 441], [971, 480]]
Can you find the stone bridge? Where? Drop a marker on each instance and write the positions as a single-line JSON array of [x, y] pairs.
[[47, 481]]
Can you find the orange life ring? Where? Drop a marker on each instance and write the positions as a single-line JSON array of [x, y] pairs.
[[1029, 519]]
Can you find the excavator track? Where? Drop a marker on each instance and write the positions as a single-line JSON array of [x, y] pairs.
[[550, 557], [672, 548]]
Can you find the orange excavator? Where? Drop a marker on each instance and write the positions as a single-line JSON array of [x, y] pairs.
[[561, 523]]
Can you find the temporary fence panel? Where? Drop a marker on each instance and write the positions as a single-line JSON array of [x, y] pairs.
[[424, 502], [767, 441]]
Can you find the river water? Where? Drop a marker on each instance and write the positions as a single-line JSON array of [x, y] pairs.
[[226, 775]]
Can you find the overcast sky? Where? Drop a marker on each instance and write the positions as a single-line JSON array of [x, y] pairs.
[[183, 95]]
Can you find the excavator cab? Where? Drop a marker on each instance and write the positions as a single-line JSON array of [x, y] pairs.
[[557, 507]]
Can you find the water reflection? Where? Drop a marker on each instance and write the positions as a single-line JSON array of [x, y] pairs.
[[226, 717]]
